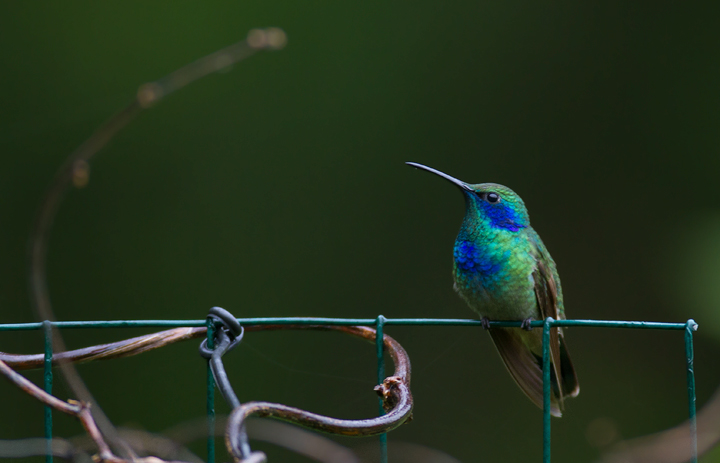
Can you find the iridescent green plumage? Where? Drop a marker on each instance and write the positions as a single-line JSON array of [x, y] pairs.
[[503, 271]]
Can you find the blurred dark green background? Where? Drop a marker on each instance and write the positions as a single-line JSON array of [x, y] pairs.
[[278, 189]]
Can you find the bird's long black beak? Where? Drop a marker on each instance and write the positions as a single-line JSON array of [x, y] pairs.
[[447, 177]]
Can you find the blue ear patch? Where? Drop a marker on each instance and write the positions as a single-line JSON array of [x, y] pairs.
[[470, 258], [501, 215]]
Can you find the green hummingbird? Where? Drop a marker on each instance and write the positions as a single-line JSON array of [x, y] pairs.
[[503, 271]]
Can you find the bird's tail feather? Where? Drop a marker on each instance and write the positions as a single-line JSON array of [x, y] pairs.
[[525, 366], [570, 385]]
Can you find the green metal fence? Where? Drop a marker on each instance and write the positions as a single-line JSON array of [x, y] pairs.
[[379, 324]]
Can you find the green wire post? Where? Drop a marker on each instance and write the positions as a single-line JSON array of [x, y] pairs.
[[380, 350], [210, 395], [690, 358], [546, 389], [48, 382]]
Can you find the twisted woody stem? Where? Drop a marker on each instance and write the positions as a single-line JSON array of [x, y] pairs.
[[395, 389]]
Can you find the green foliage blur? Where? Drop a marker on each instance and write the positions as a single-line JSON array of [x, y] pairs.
[[278, 189]]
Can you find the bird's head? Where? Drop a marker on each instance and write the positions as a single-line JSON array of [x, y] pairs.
[[495, 205]]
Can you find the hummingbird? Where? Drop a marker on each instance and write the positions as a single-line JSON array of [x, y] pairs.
[[503, 271]]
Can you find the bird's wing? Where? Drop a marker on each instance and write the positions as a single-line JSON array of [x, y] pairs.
[[546, 294], [550, 272]]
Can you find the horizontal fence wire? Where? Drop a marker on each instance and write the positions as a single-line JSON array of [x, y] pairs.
[[341, 322], [379, 323]]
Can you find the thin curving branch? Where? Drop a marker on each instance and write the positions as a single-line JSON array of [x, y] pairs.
[[80, 410], [75, 171], [125, 348]]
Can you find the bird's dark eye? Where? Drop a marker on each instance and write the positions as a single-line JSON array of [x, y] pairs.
[[492, 197]]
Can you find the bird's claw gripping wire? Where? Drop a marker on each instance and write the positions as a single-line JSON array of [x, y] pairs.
[[485, 322], [527, 324]]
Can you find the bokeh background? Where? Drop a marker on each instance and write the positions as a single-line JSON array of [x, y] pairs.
[[278, 189]]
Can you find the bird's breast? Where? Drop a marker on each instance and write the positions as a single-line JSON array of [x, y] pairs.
[[485, 261], [494, 278]]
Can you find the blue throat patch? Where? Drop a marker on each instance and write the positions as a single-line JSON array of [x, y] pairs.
[[501, 216]]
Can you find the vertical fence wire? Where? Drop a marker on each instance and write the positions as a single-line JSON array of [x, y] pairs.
[[380, 351], [48, 384], [210, 395], [690, 359], [546, 389]]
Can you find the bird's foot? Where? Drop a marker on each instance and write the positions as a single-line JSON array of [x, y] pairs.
[[526, 324], [485, 322]]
